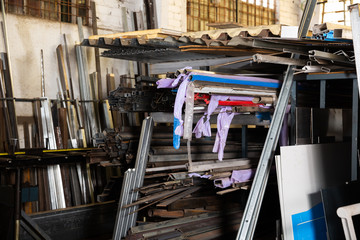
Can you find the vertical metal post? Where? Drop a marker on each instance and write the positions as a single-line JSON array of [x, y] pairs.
[[17, 203], [355, 26], [322, 94], [244, 143], [97, 51], [42, 73], [252, 209], [354, 131], [293, 96]]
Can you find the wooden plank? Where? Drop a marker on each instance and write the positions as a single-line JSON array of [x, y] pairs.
[[148, 34], [63, 127], [110, 82], [225, 25], [177, 197], [65, 175]]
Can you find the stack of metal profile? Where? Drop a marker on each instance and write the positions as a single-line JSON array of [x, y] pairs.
[[133, 179]]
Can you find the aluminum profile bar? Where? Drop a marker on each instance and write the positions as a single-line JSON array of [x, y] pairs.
[[122, 219], [133, 179], [107, 114], [84, 83], [320, 55], [59, 187], [9, 93], [42, 73], [5, 110], [52, 187], [355, 27], [259, 58], [91, 119], [82, 183], [6, 41], [142, 157], [253, 205]]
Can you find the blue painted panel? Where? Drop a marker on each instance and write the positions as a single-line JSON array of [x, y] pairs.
[[310, 225], [176, 138], [235, 81]]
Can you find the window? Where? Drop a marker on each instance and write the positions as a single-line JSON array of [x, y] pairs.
[[58, 10], [335, 11], [244, 12]]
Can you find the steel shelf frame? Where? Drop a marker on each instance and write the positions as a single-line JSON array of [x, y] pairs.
[[323, 78]]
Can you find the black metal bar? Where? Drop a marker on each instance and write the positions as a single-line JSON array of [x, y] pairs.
[[293, 96], [355, 130], [31, 227], [17, 207], [322, 94], [331, 76], [244, 142], [29, 230]]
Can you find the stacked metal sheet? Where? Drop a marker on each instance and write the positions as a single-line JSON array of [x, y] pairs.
[[332, 53]]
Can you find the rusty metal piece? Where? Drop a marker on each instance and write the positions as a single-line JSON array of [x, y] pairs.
[[178, 196], [244, 34], [266, 33], [165, 213]]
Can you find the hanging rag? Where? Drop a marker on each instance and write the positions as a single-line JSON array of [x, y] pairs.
[[223, 124]]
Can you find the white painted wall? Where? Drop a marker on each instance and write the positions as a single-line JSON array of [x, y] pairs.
[[171, 14], [28, 35], [289, 12]]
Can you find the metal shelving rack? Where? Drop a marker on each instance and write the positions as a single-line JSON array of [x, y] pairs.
[[323, 78]]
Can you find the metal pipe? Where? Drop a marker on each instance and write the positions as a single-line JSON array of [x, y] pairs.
[[42, 73]]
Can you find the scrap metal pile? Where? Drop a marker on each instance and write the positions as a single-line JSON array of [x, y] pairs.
[[324, 52], [144, 97], [179, 170]]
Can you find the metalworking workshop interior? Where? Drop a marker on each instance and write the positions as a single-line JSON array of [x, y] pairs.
[[179, 119]]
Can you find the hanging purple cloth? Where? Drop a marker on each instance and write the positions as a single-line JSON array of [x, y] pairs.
[[165, 83], [223, 124], [202, 127], [179, 102]]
